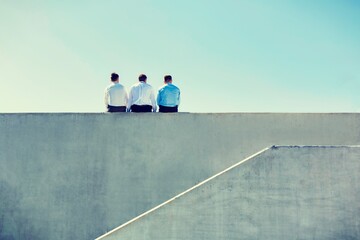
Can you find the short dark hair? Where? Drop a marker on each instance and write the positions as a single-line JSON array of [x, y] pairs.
[[114, 77], [167, 78], [142, 77]]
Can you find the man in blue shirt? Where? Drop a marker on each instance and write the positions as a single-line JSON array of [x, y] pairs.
[[168, 97]]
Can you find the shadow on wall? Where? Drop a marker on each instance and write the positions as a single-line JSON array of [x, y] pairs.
[[344, 236], [14, 223]]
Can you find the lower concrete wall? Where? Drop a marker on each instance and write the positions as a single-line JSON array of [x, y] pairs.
[[76, 176], [285, 193]]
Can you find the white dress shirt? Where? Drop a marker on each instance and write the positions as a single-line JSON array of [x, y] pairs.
[[142, 93], [116, 95]]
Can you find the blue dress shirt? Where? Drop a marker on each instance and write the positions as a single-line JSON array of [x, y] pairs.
[[168, 96]]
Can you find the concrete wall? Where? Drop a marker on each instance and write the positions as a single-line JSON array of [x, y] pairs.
[[76, 176], [285, 193]]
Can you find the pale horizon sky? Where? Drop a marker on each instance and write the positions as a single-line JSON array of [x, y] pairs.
[[225, 56]]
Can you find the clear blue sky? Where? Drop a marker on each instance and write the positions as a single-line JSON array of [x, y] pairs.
[[226, 56]]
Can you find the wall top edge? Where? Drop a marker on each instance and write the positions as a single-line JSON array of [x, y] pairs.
[[180, 113], [313, 146]]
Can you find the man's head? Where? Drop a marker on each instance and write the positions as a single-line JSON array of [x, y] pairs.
[[167, 79], [115, 77], [142, 78]]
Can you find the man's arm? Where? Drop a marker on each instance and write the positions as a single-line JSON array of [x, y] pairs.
[[153, 102], [179, 98], [158, 98], [106, 99], [129, 102], [126, 98]]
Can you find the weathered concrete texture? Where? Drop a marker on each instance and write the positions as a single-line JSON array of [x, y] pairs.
[[76, 176], [284, 193]]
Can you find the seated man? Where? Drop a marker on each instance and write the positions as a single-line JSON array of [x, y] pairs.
[[116, 97], [141, 97], [168, 97]]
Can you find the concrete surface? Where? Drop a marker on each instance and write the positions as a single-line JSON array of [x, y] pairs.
[[283, 193], [77, 176]]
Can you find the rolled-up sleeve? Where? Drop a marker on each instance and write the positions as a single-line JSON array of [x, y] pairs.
[[126, 98], [129, 101], [106, 98], [178, 100], [158, 98], [153, 102]]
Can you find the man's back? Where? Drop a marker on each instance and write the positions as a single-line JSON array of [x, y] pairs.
[[116, 95], [142, 94], [168, 95]]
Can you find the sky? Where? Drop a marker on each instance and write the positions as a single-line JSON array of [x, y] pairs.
[[224, 55]]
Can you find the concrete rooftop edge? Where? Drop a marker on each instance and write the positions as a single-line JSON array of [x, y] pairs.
[[179, 113], [314, 146]]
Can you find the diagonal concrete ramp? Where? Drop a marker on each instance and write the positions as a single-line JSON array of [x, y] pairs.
[[289, 192]]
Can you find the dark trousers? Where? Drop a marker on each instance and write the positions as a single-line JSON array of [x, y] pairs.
[[164, 109], [141, 108], [116, 109]]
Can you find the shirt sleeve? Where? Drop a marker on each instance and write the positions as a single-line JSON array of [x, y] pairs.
[[179, 98], [153, 102], [129, 103], [106, 99], [158, 98], [126, 98]]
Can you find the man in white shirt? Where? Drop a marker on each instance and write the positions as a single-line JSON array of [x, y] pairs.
[[116, 97], [141, 97]]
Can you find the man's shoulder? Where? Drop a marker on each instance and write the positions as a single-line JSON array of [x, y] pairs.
[[172, 87], [116, 86], [176, 87], [108, 87], [162, 87], [148, 86], [119, 85], [134, 85]]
